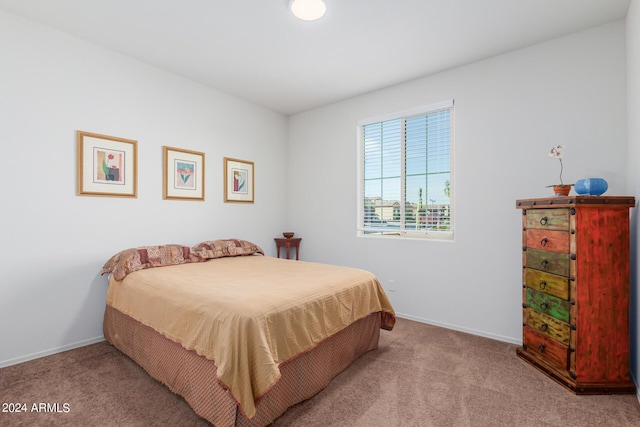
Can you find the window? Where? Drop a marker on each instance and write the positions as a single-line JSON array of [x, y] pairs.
[[405, 174]]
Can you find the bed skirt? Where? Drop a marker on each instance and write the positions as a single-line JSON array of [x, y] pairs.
[[194, 377]]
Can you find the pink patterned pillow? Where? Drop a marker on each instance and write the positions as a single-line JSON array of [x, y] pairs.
[[134, 259], [225, 247]]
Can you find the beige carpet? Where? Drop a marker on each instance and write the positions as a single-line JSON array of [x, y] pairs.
[[420, 376]]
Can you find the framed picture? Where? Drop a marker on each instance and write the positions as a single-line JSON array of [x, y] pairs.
[[106, 166], [183, 174], [238, 180]]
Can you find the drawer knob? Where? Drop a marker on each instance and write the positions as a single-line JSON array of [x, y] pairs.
[[542, 346], [542, 284], [543, 242], [544, 306], [544, 220], [544, 327], [544, 263]]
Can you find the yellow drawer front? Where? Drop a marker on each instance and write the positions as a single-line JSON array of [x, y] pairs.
[[548, 283], [548, 219], [548, 326]]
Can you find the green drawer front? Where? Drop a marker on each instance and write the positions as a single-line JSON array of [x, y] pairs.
[[548, 219], [549, 262], [548, 304]]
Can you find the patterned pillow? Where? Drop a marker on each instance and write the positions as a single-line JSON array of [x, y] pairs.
[[134, 259], [225, 247]]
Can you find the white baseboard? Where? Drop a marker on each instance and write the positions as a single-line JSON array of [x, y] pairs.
[[485, 334], [32, 356]]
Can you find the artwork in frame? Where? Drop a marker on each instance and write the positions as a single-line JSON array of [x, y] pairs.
[[183, 174], [238, 180], [106, 165]]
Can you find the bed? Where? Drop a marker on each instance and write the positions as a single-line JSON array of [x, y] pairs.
[[241, 336]]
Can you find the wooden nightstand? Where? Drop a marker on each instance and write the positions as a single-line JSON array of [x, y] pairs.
[[288, 244]]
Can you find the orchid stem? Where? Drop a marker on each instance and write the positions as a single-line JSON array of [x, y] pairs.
[[561, 183]]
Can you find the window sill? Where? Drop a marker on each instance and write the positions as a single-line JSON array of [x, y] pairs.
[[440, 236]]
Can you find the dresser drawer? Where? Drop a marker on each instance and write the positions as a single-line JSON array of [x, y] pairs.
[[548, 304], [549, 262], [551, 284], [547, 325], [546, 348], [548, 240], [548, 219]]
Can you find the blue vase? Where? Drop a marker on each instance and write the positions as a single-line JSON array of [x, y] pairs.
[[590, 186]]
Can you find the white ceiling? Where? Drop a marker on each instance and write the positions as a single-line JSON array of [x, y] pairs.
[[256, 50]]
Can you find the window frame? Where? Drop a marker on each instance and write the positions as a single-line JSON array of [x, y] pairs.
[[405, 233]]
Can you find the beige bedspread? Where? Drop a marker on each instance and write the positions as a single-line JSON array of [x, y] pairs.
[[249, 313]]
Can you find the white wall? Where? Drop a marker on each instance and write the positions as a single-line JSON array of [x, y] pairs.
[[510, 110], [54, 242], [633, 138]]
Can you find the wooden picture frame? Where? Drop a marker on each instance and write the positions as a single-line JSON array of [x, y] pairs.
[[106, 165], [238, 181], [182, 174]]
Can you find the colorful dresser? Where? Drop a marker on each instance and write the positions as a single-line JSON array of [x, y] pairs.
[[575, 291]]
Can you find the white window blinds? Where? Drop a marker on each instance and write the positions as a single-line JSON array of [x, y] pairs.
[[405, 174]]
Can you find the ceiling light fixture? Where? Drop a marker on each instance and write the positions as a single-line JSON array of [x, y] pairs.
[[308, 10]]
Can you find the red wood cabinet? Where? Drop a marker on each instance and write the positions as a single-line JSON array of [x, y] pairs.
[[575, 291]]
